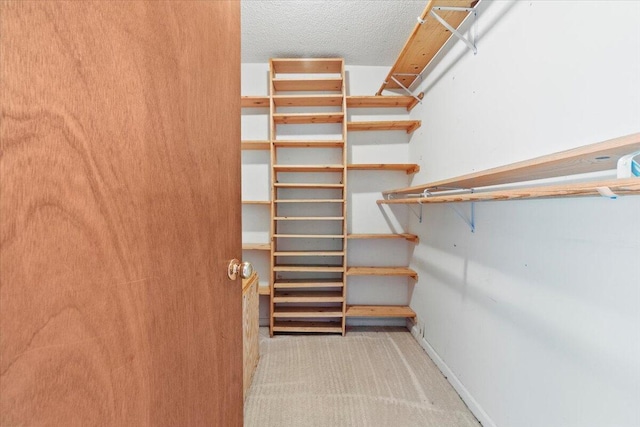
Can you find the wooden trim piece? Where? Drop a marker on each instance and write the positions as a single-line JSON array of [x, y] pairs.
[[382, 271], [256, 247], [255, 145], [308, 327], [308, 144], [407, 102], [589, 158], [302, 312], [409, 237], [254, 101], [424, 42], [307, 118], [409, 168], [310, 85], [307, 100], [621, 187], [380, 311], [407, 125], [307, 65]]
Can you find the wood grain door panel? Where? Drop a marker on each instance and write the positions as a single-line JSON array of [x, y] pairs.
[[119, 210]]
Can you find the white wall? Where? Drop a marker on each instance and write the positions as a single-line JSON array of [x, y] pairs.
[[364, 187], [535, 317]]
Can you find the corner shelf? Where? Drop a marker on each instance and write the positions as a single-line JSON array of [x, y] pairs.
[[409, 168], [407, 125]]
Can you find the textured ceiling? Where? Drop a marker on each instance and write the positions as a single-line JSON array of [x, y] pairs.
[[363, 32]]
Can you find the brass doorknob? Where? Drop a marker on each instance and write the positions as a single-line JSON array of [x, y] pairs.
[[243, 269]]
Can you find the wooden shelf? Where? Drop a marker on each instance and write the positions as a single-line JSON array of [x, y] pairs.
[[382, 271], [308, 327], [621, 187], [308, 100], [309, 85], [407, 125], [308, 168], [307, 296], [307, 65], [308, 144], [306, 312], [407, 102], [425, 42], [409, 168], [309, 201], [310, 268], [309, 218], [308, 185], [409, 237], [380, 311], [254, 102], [256, 202], [256, 247], [255, 145], [264, 290], [298, 284], [308, 236], [307, 118], [309, 253], [589, 158]]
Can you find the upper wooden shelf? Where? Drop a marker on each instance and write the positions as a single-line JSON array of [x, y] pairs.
[[308, 143], [409, 168], [425, 42], [407, 102], [307, 118], [254, 145], [308, 85], [382, 271], [256, 202], [407, 236], [379, 311], [307, 65], [308, 168], [308, 100], [589, 158], [254, 102], [407, 125]]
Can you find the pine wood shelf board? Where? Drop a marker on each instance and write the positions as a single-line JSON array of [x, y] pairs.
[[310, 268], [311, 283], [589, 158], [409, 237], [256, 202], [382, 271], [407, 125], [378, 101], [306, 118], [308, 168], [255, 145], [309, 85], [309, 185], [308, 327], [309, 218], [254, 102], [621, 187], [264, 290], [308, 236], [309, 253], [309, 201], [302, 312], [379, 311], [308, 144], [424, 42], [256, 247], [307, 65], [409, 168], [307, 296], [308, 100]]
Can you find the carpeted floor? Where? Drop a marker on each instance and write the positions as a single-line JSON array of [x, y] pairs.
[[371, 377]]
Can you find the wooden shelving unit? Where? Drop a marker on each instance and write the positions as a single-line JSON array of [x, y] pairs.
[[425, 41], [302, 274], [409, 168], [407, 125], [407, 102], [590, 158], [254, 145]]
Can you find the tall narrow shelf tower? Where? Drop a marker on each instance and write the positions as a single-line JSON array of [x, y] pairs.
[[308, 189]]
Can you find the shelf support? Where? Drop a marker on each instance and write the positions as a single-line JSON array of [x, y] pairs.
[[406, 89], [471, 45], [471, 221]]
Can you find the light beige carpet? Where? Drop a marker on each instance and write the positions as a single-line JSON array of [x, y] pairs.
[[371, 377]]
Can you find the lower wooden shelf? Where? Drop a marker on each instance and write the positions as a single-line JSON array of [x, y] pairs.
[[308, 296], [256, 247], [380, 311], [264, 290], [307, 327], [300, 312], [407, 125], [382, 271], [299, 284]]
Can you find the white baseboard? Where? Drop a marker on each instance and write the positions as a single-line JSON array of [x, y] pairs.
[[466, 397]]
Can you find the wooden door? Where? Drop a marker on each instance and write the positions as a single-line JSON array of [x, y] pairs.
[[120, 208]]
